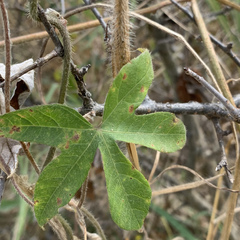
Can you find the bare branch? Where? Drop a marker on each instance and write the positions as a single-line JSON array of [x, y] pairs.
[[234, 112], [225, 48]]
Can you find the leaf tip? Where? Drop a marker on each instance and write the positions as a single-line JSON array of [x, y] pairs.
[[142, 50]]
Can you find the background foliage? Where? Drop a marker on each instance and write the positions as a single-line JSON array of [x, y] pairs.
[[185, 213]]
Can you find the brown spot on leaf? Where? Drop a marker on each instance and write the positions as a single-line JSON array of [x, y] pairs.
[[131, 108], [175, 120], [30, 110], [124, 76], [75, 137], [14, 129], [59, 201], [67, 145], [142, 89], [133, 168], [36, 202]]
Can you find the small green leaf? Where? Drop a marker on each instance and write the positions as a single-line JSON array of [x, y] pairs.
[[56, 125], [60, 126], [128, 191], [161, 131], [128, 90], [61, 179]]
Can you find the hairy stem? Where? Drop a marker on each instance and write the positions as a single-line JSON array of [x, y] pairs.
[[55, 19], [121, 41], [94, 222], [61, 228], [121, 53], [18, 189], [33, 9], [83, 193], [7, 55]]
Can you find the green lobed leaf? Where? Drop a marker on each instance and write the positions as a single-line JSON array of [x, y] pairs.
[[62, 127]]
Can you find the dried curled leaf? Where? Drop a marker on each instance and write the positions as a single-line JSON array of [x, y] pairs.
[[9, 150], [25, 83]]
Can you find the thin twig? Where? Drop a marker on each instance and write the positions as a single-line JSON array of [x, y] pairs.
[[210, 110], [187, 186], [86, 25], [51, 32], [30, 157], [7, 55], [97, 15], [230, 4], [39, 62], [227, 49], [29, 202], [214, 63], [3, 178], [63, 7], [61, 227], [223, 163], [83, 193], [73, 203], [84, 94], [215, 208], [94, 222], [224, 215], [234, 112], [154, 166], [181, 39], [81, 222], [39, 72]]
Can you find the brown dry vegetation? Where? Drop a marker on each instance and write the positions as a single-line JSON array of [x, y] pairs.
[[177, 212]]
